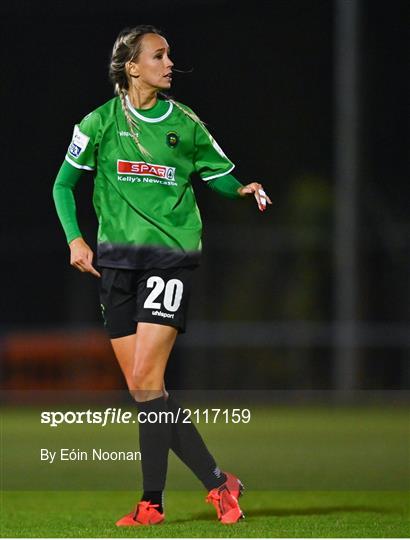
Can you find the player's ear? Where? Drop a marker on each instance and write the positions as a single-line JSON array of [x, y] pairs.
[[132, 69]]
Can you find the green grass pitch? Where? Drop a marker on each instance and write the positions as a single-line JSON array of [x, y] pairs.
[[309, 472], [268, 514]]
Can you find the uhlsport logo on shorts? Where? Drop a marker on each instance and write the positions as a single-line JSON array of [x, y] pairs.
[[162, 314], [141, 168]]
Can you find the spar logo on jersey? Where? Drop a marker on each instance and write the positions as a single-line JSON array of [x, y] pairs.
[[141, 168], [79, 143]]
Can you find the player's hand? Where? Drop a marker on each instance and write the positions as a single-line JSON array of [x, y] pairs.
[[259, 193], [82, 257]]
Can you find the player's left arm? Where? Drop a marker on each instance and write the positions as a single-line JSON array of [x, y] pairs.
[[214, 167], [255, 189], [229, 186]]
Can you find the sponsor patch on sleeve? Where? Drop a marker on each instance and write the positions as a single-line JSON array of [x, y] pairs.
[[78, 143]]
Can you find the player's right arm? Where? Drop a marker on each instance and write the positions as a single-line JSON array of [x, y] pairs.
[[81, 155], [81, 255]]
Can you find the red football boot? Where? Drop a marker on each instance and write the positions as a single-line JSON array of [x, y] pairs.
[[234, 485], [144, 514], [225, 499]]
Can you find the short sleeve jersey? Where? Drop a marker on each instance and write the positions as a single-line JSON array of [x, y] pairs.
[[146, 207]]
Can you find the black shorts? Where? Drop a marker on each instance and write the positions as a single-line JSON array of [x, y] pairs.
[[157, 296]]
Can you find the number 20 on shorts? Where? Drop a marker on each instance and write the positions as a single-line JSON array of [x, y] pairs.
[[172, 295]]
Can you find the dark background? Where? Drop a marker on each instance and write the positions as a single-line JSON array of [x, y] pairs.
[[263, 309]]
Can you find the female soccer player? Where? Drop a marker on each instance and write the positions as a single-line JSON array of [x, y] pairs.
[[143, 147]]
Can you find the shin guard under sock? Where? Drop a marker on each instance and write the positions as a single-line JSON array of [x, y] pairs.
[[155, 440]]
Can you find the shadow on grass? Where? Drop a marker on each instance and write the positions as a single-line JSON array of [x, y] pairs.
[[287, 512]]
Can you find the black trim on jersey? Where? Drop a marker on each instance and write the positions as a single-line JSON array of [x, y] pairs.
[[131, 257]]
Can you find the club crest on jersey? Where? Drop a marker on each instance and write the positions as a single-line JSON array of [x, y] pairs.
[[172, 139], [78, 143], [145, 169]]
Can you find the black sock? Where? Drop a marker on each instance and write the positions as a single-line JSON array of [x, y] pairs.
[[155, 497], [155, 440], [188, 445]]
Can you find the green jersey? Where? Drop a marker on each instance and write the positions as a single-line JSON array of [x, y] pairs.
[[146, 207]]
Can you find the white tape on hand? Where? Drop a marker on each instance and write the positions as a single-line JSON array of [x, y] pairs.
[[262, 193]]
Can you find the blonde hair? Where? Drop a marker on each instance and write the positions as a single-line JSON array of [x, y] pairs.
[[127, 47], [187, 112]]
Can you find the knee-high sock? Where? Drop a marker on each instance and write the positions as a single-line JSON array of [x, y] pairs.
[[155, 440], [189, 446]]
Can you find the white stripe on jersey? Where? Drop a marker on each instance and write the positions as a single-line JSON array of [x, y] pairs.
[[77, 165], [141, 117], [218, 175]]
